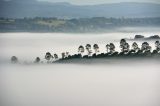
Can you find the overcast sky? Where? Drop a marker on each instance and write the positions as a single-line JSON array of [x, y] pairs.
[[91, 2]]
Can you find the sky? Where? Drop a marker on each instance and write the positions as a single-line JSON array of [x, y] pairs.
[[93, 2]]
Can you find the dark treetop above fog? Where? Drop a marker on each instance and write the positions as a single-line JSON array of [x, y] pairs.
[[33, 8]]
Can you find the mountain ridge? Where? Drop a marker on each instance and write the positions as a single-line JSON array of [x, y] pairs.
[[17, 9]]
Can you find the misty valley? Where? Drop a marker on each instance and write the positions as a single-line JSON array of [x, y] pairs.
[[79, 53], [99, 82]]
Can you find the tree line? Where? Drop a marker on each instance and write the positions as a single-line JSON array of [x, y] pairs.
[[130, 51]]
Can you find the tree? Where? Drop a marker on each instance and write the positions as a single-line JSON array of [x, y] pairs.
[[96, 48], [154, 37], [157, 45], [37, 60], [138, 37], [135, 47], [88, 48], [145, 47], [107, 47], [122, 44], [67, 54], [48, 56], [112, 48], [126, 47], [63, 55], [55, 56], [14, 59], [81, 49]]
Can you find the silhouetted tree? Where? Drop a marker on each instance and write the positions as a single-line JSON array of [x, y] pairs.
[[81, 49], [96, 48], [154, 37], [122, 44], [138, 37], [63, 55], [14, 59], [67, 54], [145, 47], [107, 47], [55, 56], [37, 60], [126, 47], [88, 48], [157, 45], [135, 47], [112, 48], [48, 56]]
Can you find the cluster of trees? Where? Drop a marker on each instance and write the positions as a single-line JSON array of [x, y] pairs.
[[134, 50], [39, 24], [126, 50], [150, 37]]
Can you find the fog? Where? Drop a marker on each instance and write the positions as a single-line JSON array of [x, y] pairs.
[[27, 46], [109, 83]]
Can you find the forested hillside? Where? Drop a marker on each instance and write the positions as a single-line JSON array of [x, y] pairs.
[[96, 24]]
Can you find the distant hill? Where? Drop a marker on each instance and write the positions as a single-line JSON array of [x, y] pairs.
[[81, 25], [33, 8]]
